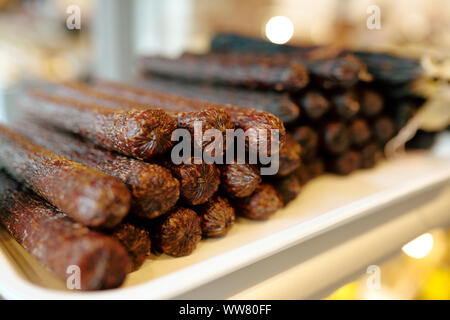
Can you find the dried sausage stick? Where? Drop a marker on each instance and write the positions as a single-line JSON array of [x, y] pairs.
[[279, 104], [85, 194], [371, 101], [59, 243], [264, 202], [360, 132], [383, 129], [371, 154], [345, 163], [210, 118], [218, 217], [288, 187], [314, 104], [289, 156], [239, 180], [170, 100], [308, 139], [247, 70], [335, 137], [198, 182], [176, 233], [137, 133], [136, 240], [346, 105], [327, 66]]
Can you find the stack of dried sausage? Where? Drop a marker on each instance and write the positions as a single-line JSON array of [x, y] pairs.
[[353, 103], [87, 178]]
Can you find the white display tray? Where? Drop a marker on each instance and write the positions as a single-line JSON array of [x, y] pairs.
[[324, 204]]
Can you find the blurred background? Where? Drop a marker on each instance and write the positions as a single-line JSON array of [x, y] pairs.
[[62, 40]]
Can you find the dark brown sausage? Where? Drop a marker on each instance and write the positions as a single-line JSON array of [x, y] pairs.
[[327, 66], [359, 132], [371, 101], [371, 154], [390, 69], [170, 98], [138, 133], [331, 67], [289, 156], [217, 215], [85, 194], [277, 103], [308, 139], [335, 137], [383, 129], [198, 182], [314, 104], [247, 70], [176, 233], [108, 96], [288, 187], [303, 175], [153, 188], [136, 240], [264, 202], [315, 167], [346, 105], [239, 180], [345, 163], [59, 243]]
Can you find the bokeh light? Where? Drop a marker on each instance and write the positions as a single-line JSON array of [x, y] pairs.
[[279, 29], [419, 247]]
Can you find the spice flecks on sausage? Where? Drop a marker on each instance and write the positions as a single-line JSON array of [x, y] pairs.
[[217, 215], [177, 233], [264, 202], [138, 133]]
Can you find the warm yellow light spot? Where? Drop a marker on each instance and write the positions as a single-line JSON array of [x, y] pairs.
[[419, 247], [347, 292], [436, 286], [279, 29]]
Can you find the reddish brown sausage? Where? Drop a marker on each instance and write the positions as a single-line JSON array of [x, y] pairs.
[[217, 215], [169, 100], [198, 182], [264, 202], [59, 243], [85, 194], [239, 180], [209, 118], [138, 133], [176, 233], [136, 240]]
